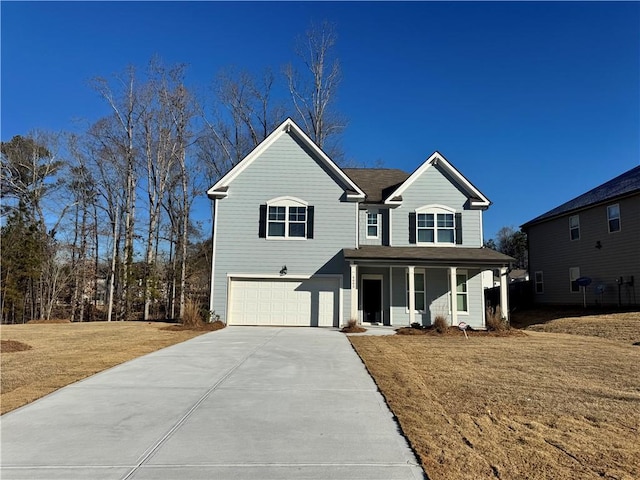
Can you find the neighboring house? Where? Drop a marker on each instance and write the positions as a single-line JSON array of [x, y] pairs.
[[596, 236], [299, 241]]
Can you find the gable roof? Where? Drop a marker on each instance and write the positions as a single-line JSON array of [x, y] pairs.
[[220, 189], [376, 183], [622, 185], [477, 198]]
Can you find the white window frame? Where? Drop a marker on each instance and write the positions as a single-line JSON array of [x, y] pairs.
[[465, 274], [370, 216], [574, 224], [610, 218], [539, 282], [574, 274], [435, 210], [417, 271], [287, 203]]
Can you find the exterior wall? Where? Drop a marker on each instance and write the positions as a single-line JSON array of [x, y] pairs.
[[435, 187], [385, 290], [552, 252], [438, 297], [286, 169], [363, 226]]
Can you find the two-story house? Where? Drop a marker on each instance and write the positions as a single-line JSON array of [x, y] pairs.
[[594, 237], [299, 241]]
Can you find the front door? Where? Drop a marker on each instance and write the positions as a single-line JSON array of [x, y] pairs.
[[372, 300]]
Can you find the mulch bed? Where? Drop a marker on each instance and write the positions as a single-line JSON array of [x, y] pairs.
[[456, 332], [202, 327], [353, 329], [9, 346]]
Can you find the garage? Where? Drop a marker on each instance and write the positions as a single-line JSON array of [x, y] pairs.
[[284, 302]]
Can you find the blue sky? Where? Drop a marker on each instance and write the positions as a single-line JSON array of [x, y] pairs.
[[535, 103]]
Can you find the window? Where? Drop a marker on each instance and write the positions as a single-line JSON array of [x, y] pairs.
[[539, 281], [286, 217], [462, 297], [420, 286], [436, 224], [372, 225], [613, 217], [574, 274], [574, 227]]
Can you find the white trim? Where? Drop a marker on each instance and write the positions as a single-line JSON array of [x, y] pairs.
[[422, 271], [453, 291], [436, 157], [464, 272], [357, 226], [435, 206], [609, 218], [390, 296], [571, 227], [213, 253], [286, 127], [377, 225], [354, 291], [371, 276], [412, 293], [390, 227], [287, 201], [535, 282], [436, 210]]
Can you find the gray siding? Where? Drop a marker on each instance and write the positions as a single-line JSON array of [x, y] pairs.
[[438, 298], [383, 216], [285, 169], [435, 187], [552, 252]]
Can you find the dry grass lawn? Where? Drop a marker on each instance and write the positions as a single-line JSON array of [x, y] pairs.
[[538, 406], [64, 353]]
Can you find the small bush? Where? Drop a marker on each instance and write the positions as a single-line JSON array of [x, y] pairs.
[[353, 327], [192, 314], [494, 320], [440, 324]]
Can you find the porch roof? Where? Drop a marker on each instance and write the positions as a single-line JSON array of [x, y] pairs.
[[443, 256]]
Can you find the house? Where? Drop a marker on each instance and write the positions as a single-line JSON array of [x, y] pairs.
[[299, 241], [594, 237]]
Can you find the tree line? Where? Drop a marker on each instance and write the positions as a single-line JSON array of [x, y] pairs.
[[98, 224]]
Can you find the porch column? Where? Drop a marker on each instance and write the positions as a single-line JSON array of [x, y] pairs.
[[453, 286], [412, 294], [504, 293], [354, 292]]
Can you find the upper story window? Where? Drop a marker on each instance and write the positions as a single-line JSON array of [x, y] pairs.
[[373, 225], [286, 217], [574, 227], [613, 218], [436, 224]]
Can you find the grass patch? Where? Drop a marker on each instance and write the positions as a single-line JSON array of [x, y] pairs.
[[537, 406], [65, 353]]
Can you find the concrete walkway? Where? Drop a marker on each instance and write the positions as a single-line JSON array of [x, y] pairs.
[[240, 403]]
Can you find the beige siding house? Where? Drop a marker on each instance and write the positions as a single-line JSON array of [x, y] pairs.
[[594, 237]]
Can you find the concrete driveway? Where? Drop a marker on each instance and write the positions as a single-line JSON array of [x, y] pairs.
[[240, 403]]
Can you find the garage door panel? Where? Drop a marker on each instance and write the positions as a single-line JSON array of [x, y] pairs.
[[284, 302]]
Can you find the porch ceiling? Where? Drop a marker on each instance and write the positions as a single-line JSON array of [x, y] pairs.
[[444, 256]]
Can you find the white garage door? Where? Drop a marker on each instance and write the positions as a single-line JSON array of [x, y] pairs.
[[312, 302]]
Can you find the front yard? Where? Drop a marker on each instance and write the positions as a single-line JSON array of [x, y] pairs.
[[64, 353], [538, 406]]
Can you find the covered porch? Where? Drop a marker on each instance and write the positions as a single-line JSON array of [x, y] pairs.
[[400, 286]]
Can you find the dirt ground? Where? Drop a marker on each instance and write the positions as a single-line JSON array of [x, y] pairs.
[[63, 353], [534, 406]]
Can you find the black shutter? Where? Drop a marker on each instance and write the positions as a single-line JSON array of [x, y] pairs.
[[412, 227], [310, 222], [262, 225], [458, 224]]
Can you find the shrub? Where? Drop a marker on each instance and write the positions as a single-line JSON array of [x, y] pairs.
[[494, 320], [192, 314], [440, 324], [353, 327]]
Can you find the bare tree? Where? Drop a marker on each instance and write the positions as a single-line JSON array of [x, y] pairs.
[[126, 110], [313, 91]]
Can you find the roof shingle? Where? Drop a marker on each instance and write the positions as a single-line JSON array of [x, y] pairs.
[[377, 183]]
